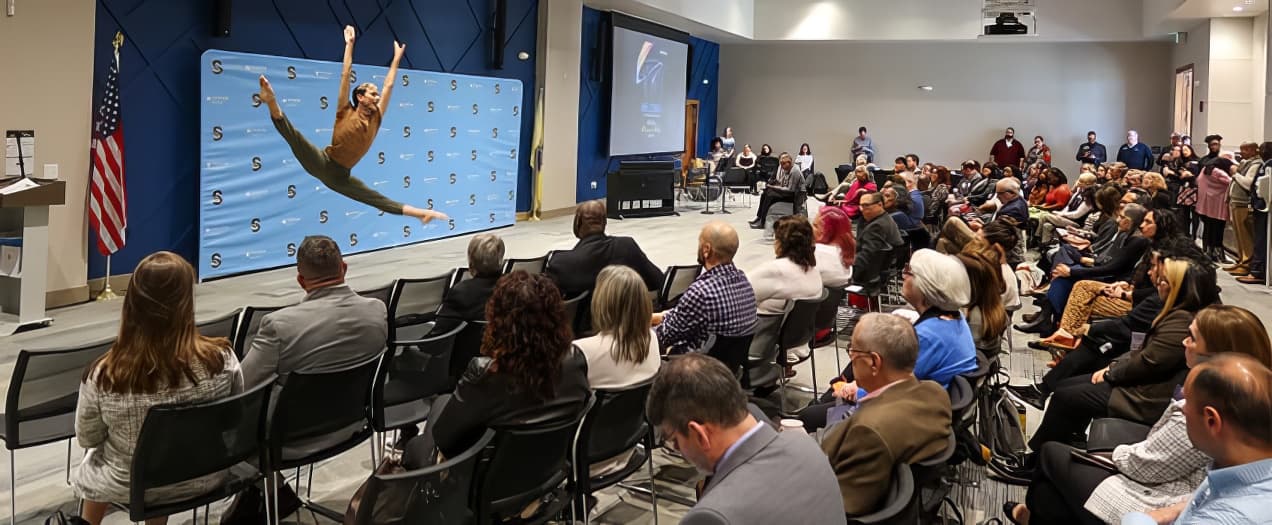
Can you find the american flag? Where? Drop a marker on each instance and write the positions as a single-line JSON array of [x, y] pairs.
[[108, 201]]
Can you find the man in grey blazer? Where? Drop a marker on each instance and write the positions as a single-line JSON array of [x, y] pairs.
[[331, 328], [754, 474]]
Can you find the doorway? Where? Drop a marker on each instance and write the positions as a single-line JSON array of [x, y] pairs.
[[1183, 100], [691, 137]]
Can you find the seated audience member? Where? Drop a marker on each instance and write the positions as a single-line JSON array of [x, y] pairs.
[[986, 317], [1114, 263], [1058, 192], [836, 248], [717, 155], [910, 208], [877, 239], [720, 301], [624, 351], [974, 189], [959, 230], [1037, 188], [1158, 194], [701, 411], [747, 158], [575, 270], [1001, 237], [848, 194], [1229, 417], [864, 448], [792, 275], [805, 159], [785, 186], [940, 192], [331, 328], [1159, 471], [466, 300], [1136, 386], [1072, 213], [158, 358], [527, 372]]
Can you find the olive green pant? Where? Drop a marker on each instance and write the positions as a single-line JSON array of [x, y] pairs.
[[332, 175]]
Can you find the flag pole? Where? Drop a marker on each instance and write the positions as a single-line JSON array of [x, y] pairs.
[[107, 294]]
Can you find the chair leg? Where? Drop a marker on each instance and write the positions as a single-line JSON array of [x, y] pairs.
[[68, 462], [13, 490], [653, 491], [834, 332]]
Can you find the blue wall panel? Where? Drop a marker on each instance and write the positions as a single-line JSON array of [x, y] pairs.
[[159, 83], [594, 161]]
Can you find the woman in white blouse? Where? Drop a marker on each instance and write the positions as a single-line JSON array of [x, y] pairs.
[[747, 158], [805, 159], [792, 275]]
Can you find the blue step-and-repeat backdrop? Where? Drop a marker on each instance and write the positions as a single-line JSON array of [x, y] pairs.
[[447, 142]]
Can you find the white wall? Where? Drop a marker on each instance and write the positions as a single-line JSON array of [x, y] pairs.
[[820, 92], [560, 24], [47, 86], [1196, 51], [1258, 76], [1231, 97]]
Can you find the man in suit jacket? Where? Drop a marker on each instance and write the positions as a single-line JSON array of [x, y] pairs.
[[575, 270], [466, 300], [876, 240], [755, 475], [865, 448], [331, 328]]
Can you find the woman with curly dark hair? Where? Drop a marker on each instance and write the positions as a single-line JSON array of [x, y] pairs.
[[792, 275], [528, 371]]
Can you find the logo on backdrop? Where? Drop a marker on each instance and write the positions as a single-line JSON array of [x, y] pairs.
[[216, 133], [512, 153], [291, 72], [353, 239], [450, 224], [473, 154], [492, 217], [475, 110], [454, 85], [406, 132], [256, 225], [494, 133], [217, 198], [256, 164], [454, 131], [353, 76], [406, 181], [216, 260], [216, 67], [256, 100], [430, 204], [406, 80], [494, 175], [516, 111], [430, 106], [453, 178], [291, 191], [406, 231], [322, 102], [380, 158], [472, 199], [512, 195], [322, 217], [496, 88], [430, 155], [291, 249]]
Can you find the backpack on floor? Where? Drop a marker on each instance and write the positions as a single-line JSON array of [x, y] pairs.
[[1001, 429], [59, 518]]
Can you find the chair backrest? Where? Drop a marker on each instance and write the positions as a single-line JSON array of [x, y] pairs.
[[551, 253], [614, 424], [317, 404], [467, 346], [383, 293], [460, 273], [829, 308], [730, 350], [523, 463], [415, 302], [179, 442], [222, 326], [417, 370], [768, 165], [575, 307], [797, 328], [437, 494], [898, 502], [45, 383], [677, 280], [250, 323], [735, 176], [530, 266]]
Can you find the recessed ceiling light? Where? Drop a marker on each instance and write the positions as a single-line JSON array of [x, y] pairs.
[[926, 88], [1238, 9]]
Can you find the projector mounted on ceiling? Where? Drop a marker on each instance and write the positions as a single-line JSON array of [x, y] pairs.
[[1009, 17]]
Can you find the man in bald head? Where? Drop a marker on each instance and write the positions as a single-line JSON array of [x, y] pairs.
[[575, 270], [1229, 417], [719, 302]]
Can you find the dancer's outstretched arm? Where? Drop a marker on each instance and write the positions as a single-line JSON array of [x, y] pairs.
[[398, 49], [348, 66]]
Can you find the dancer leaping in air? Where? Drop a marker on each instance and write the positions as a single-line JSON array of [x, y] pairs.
[[357, 122]]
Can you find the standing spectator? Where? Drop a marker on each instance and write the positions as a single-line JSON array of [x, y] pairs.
[[1260, 195], [1212, 205], [1092, 152], [1136, 155], [863, 145], [720, 301], [1239, 208], [786, 186], [158, 358], [728, 141], [1008, 151], [1175, 142], [1040, 152], [805, 159]]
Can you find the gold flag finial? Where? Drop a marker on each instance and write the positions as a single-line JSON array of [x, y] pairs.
[[118, 41]]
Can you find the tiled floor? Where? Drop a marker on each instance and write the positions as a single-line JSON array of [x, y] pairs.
[[41, 486]]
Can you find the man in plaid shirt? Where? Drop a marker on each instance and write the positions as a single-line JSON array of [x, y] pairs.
[[720, 301]]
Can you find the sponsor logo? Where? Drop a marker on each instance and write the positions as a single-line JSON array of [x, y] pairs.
[[322, 102], [289, 101], [430, 180], [512, 194], [429, 204], [406, 156], [406, 132], [255, 254], [353, 76], [406, 181], [452, 202], [379, 183], [472, 199], [406, 231], [406, 80], [217, 133], [430, 155], [475, 109], [512, 153], [454, 85], [492, 217], [291, 249], [430, 130], [473, 154], [450, 223], [216, 165], [291, 72], [492, 197], [453, 178], [217, 100], [452, 107], [431, 107], [250, 131], [216, 67], [323, 74], [256, 163], [497, 88], [216, 260], [516, 110], [494, 133], [494, 175], [454, 131], [322, 217], [353, 239], [255, 194], [290, 221], [254, 69], [217, 198], [256, 225], [214, 232], [355, 214], [291, 191], [452, 154], [256, 100], [379, 157]]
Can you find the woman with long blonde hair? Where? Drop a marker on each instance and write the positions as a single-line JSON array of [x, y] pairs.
[[158, 358], [624, 351]]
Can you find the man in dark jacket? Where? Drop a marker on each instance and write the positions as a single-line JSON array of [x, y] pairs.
[[575, 270], [877, 238], [1092, 152], [466, 300], [1135, 154]]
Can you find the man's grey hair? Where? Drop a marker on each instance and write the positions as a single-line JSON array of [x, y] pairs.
[[1008, 184], [485, 255], [890, 336]]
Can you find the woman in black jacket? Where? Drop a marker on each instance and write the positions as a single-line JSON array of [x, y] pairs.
[[528, 371]]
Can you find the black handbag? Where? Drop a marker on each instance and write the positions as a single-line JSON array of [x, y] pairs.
[[59, 518]]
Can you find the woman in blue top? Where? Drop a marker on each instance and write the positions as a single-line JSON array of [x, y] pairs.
[[936, 285]]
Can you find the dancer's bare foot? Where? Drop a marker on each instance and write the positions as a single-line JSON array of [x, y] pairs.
[[268, 97], [422, 214]]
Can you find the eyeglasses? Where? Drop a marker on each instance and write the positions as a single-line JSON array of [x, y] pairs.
[[1008, 192], [864, 204]]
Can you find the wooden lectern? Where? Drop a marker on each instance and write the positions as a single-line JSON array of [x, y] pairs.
[[25, 213]]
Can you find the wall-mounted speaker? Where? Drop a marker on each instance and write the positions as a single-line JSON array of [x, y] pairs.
[[498, 28], [221, 17]]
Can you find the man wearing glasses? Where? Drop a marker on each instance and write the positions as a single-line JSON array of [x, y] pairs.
[[958, 232], [877, 237]]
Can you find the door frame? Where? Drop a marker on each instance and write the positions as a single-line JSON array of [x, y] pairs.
[[1182, 121], [692, 108]]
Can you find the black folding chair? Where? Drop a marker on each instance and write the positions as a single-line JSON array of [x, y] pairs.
[[414, 304], [827, 317], [418, 371], [614, 425], [730, 350], [677, 279], [898, 504], [436, 494], [797, 330], [222, 326], [576, 308], [40, 405], [383, 293], [531, 266], [181, 442], [467, 346], [249, 324]]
